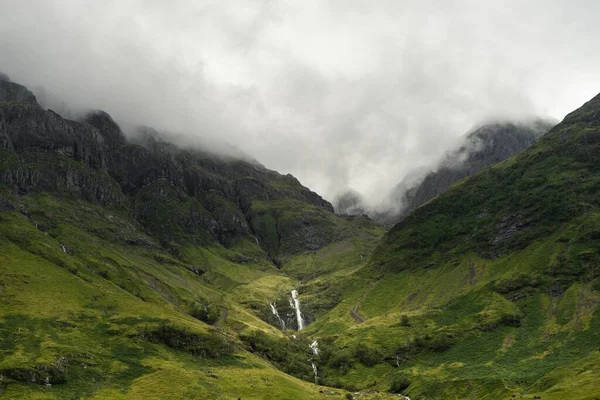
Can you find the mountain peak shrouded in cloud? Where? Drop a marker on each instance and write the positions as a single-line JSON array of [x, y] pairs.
[[485, 145], [340, 94]]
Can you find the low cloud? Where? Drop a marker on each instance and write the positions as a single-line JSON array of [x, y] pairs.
[[342, 94]]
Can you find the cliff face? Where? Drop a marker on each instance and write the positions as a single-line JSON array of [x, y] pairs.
[[175, 193]]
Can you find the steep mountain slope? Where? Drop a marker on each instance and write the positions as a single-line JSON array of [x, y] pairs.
[[176, 194], [140, 270], [133, 270], [491, 289], [485, 146]]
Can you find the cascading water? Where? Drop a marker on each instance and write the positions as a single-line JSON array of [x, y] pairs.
[[63, 247], [276, 314], [295, 304], [315, 372], [314, 346]]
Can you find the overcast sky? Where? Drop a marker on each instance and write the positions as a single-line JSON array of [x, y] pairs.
[[341, 93]]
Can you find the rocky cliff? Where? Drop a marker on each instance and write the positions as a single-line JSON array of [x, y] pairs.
[[175, 193]]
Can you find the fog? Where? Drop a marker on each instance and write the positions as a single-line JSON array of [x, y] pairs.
[[342, 94]]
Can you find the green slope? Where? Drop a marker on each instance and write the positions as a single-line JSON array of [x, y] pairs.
[[146, 272], [491, 289], [131, 271], [113, 315]]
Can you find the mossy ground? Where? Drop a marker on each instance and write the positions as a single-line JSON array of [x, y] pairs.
[[80, 284], [469, 327], [489, 291]]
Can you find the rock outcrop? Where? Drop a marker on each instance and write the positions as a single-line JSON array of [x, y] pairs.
[[175, 193]]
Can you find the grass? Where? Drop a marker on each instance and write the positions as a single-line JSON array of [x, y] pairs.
[[489, 291], [92, 303]]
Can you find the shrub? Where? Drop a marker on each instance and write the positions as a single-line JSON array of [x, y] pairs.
[[517, 282], [440, 343], [404, 321], [341, 360], [207, 345], [207, 313], [367, 356], [399, 384], [510, 320], [290, 356]]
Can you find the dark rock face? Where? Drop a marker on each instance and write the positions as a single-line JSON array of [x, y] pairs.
[[32, 129], [485, 146], [12, 92], [175, 193], [44, 152], [110, 131], [43, 374]]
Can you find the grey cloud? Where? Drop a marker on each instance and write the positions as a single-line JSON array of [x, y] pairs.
[[342, 94]]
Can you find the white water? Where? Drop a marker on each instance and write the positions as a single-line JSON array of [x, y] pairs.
[[314, 346], [64, 249], [276, 314], [295, 304]]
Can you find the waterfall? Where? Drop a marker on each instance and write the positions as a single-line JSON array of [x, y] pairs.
[[64, 249], [276, 314], [256, 239], [295, 304], [314, 346]]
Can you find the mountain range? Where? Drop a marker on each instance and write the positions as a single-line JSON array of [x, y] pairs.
[[134, 268]]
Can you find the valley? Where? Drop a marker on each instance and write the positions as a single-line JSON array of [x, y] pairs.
[[131, 268]]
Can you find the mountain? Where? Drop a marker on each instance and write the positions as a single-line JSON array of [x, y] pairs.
[[491, 289], [174, 193], [484, 146], [131, 268]]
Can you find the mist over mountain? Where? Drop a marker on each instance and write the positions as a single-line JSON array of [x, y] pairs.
[[343, 95], [201, 263], [478, 149], [165, 229]]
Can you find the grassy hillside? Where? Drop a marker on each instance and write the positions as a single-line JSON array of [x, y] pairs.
[[492, 289], [131, 271], [93, 307], [141, 270]]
